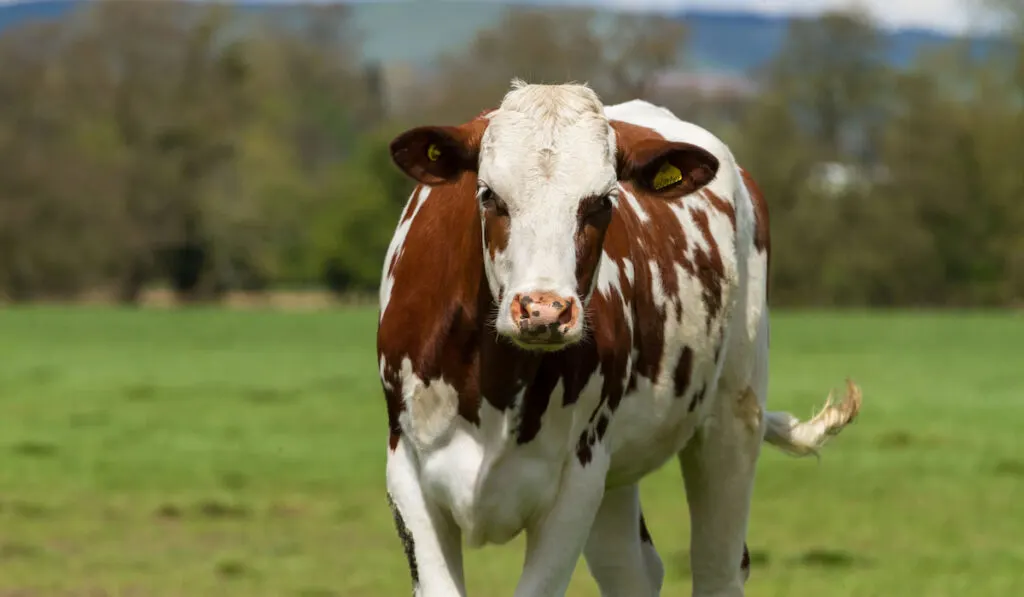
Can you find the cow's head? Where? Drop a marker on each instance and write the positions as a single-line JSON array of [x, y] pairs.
[[548, 165]]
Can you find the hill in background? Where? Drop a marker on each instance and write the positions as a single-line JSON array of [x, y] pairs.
[[416, 33]]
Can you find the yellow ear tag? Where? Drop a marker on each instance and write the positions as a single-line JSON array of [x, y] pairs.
[[433, 152], [667, 175]]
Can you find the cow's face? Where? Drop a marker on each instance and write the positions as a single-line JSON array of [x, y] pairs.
[[548, 164]]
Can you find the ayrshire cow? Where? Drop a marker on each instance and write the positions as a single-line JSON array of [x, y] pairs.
[[574, 294]]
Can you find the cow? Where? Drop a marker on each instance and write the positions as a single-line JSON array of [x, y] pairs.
[[574, 294]]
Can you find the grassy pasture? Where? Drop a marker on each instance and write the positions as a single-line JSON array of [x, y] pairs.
[[241, 453]]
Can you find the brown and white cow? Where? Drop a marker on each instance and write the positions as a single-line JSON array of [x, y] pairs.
[[574, 294]]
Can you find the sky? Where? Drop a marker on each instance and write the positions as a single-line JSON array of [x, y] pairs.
[[945, 15], [953, 16]]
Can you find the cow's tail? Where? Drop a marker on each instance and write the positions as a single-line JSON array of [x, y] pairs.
[[803, 438]]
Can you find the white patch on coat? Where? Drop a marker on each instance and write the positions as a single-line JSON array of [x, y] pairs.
[[641, 214], [608, 276], [430, 409], [383, 367]]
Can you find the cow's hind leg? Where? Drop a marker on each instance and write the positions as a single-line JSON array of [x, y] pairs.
[[619, 552], [431, 540], [718, 469]]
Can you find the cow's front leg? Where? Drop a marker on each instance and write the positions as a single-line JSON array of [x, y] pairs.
[[554, 542], [718, 468], [431, 539]]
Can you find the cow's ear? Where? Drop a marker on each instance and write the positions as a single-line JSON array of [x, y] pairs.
[[658, 166], [673, 169], [436, 154]]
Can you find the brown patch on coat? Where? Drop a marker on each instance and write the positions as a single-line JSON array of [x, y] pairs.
[[684, 370], [410, 209], [721, 205], [698, 397], [660, 239], [593, 434], [645, 535], [593, 219], [748, 408], [394, 261], [536, 400], [496, 231], [709, 267], [762, 229], [611, 358], [438, 331], [585, 448], [437, 321], [391, 383]]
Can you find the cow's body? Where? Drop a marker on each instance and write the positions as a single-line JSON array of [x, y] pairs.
[[489, 440]]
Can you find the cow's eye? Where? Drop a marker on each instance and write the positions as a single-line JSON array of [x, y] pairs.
[[491, 202], [597, 205]]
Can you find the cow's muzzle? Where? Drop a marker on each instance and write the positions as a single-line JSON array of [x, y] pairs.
[[545, 319]]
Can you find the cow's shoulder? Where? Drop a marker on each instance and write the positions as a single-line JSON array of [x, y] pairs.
[[430, 282], [432, 252]]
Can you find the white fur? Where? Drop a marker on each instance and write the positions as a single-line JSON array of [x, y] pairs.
[[544, 150]]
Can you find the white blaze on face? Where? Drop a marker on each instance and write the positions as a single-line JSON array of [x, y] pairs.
[[545, 150]]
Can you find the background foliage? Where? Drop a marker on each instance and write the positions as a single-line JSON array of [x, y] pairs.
[[208, 149]]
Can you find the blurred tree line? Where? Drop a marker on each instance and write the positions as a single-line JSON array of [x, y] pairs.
[[206, 149]]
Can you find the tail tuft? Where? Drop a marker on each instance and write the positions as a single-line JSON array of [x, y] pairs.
[[803, 438]]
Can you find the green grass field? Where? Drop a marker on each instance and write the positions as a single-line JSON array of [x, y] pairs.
[[230, 453]]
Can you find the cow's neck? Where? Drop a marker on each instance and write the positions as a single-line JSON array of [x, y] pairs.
[[514, 378], [504, 369], [461, 344]]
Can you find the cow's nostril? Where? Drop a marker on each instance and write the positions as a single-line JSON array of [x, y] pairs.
[[524, 305], [565, 316]]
